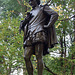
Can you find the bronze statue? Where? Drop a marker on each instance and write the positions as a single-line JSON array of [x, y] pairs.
[[39, 34]]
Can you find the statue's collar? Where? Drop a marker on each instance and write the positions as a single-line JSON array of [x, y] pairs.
[[36, 7]]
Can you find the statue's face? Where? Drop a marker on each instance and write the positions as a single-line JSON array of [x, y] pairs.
[[33, 3]]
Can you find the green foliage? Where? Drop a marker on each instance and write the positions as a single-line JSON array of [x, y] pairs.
[[15, 7], [11, 42], [11, 50]]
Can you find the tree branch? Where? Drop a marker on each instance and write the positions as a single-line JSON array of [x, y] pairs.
[[67, 18], [72, 32], [16, 69], [48, 2], [22, 3], [18, 2], [62, 19], [22, 0], [49, 69]]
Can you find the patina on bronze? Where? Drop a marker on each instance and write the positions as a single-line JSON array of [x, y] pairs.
[[39, 34]]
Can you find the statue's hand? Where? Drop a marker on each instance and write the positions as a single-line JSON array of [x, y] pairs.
[[19, 31], [46, 26], [21, 27]]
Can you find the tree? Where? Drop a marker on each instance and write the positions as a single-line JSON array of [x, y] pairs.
[[11, 49], [15, 7], [11, 45]]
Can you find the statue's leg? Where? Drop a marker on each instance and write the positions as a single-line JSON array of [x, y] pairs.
[[39, 54], [27, 55]]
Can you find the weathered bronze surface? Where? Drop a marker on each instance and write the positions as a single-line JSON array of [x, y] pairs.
[[39, 34]]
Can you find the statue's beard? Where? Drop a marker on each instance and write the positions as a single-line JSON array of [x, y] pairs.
[[33, 6]]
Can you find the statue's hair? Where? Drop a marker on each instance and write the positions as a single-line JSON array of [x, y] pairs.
[[38, 2]]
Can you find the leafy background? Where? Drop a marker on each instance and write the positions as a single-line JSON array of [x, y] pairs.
[[60, 61]]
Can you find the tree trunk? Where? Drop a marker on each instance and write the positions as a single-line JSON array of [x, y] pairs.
[[64, 53], [72, 66], [64, 45], [61, 43]]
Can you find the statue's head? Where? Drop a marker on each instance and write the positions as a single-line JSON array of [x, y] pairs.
[[34, 3]]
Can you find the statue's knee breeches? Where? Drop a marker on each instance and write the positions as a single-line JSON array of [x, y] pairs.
[[26, 58], [28, 52]]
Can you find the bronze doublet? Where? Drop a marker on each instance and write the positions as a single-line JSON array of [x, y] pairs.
[[35, 27], [37, 22]]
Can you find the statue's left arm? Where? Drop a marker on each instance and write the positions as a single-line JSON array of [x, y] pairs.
[[53, 16]]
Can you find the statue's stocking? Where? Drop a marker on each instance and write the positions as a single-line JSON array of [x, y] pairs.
[[28, 53], [39, 54]]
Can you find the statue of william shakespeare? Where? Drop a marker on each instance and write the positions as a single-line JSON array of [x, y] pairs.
[[39, 34]]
